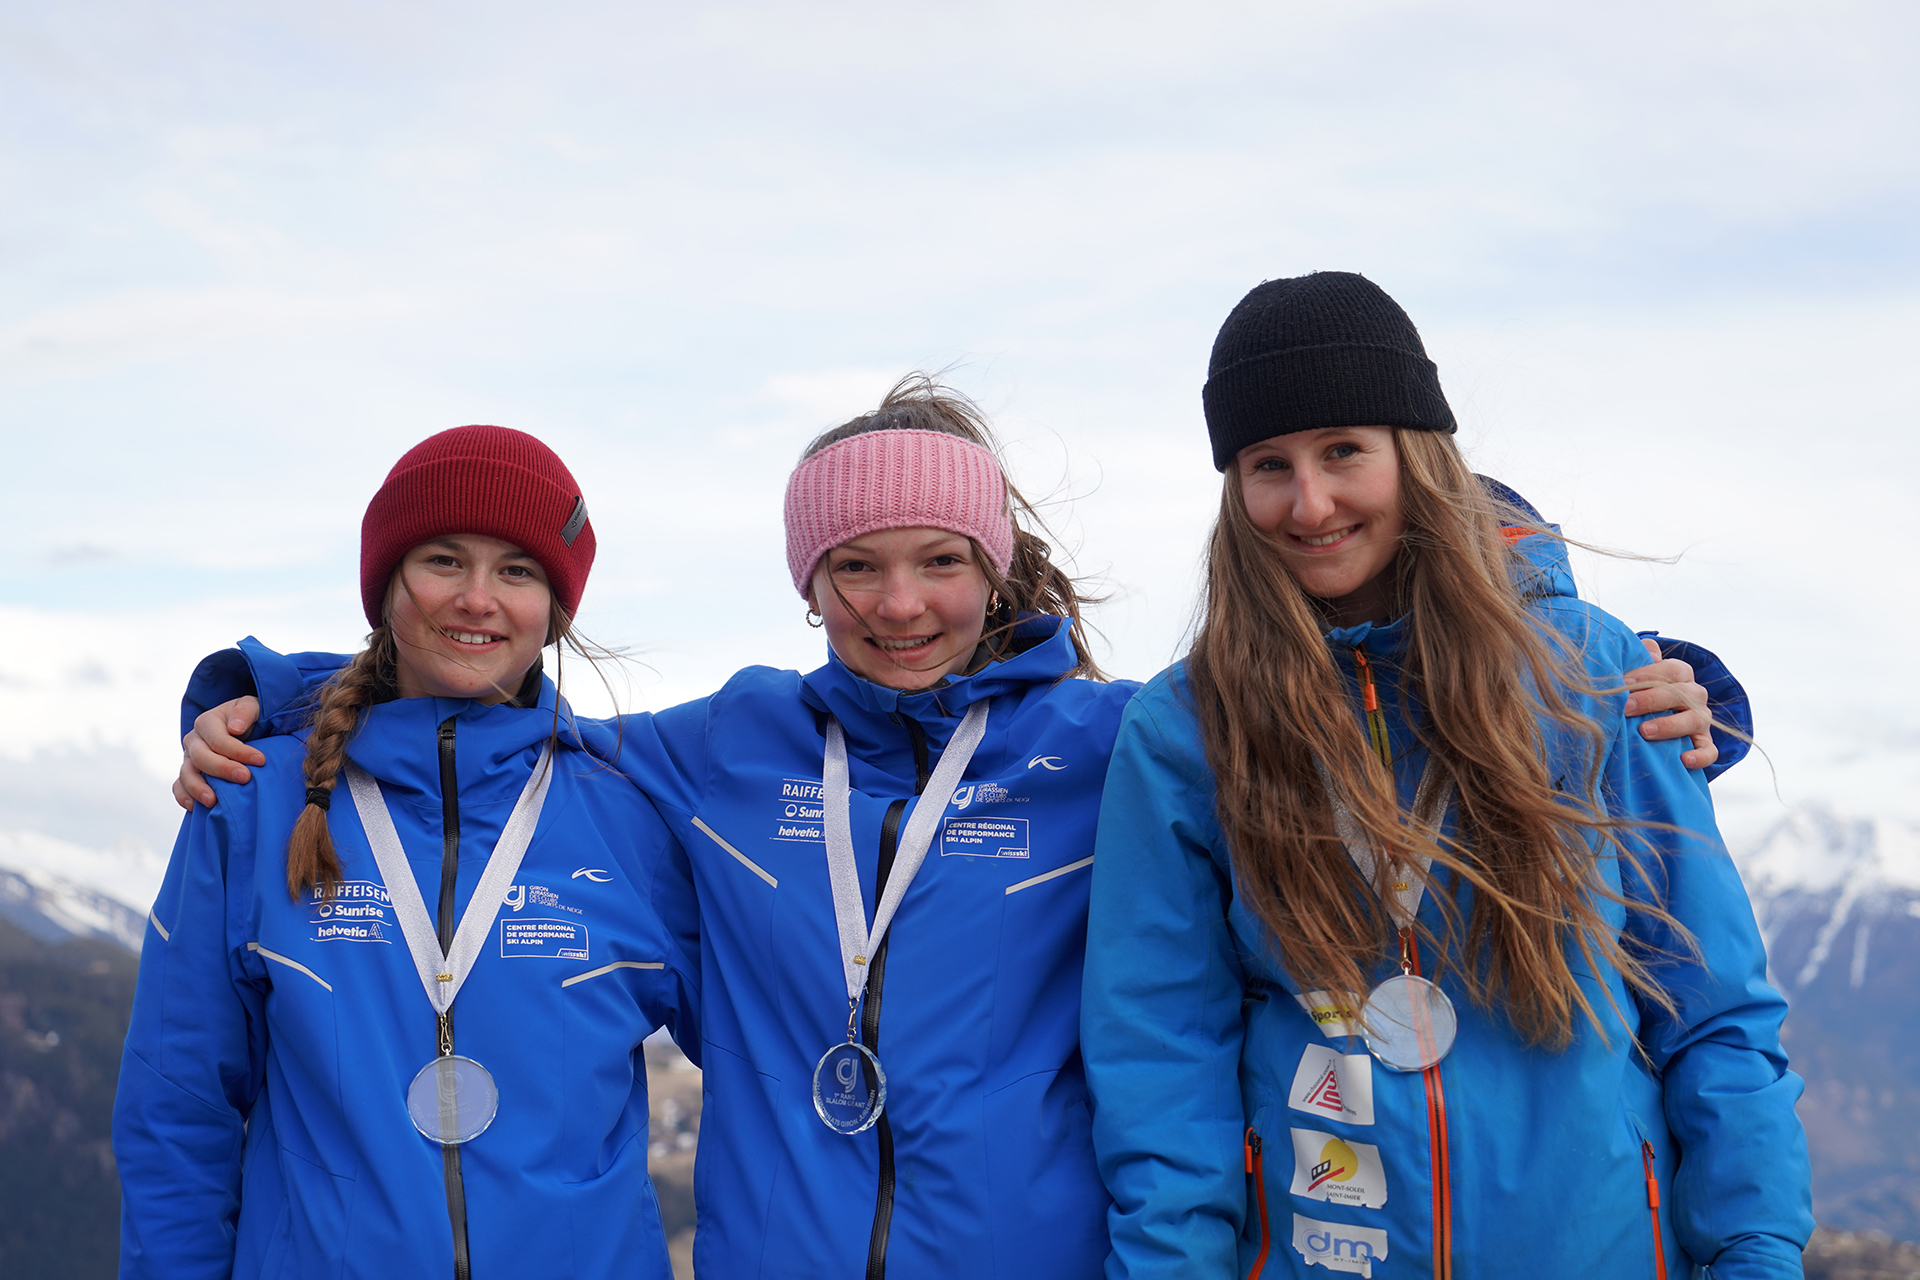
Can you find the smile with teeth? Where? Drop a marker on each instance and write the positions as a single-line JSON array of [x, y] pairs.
[[1326, 539], [473, 637], [903, 647]]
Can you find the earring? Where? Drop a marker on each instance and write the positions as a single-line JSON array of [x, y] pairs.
[[815, 619], [993, 603]]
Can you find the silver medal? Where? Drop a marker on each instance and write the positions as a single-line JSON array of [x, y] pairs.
[[452, 1100], [1408, 1023], [849, 1088]]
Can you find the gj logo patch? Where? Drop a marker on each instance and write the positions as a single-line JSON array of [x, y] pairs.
[[1339, 1247], [1336, 1171], [1338, 1086]]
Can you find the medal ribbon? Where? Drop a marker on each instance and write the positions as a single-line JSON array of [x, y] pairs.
[[442, 975], [1402, 898], [857, 942]]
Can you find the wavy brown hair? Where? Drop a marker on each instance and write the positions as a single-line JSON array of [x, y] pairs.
[[1033, 583], [339, 709], [1271, 702]]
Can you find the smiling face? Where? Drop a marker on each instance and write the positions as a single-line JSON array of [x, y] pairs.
[[1330, 499], [470, 619], [918, 603]]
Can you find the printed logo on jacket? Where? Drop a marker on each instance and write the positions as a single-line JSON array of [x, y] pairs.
[[1338, 1086], [1338, 1246], [359, 911], [1337, 1171]]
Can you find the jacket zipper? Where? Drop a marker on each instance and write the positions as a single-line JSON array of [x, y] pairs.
[[449, 874], [1439, 1164], [1438, 1160], [1256, 1167], [1653, 1208], [870, 1009]]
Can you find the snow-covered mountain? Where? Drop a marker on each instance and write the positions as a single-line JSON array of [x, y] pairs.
[[1838, 900], [56, 890]]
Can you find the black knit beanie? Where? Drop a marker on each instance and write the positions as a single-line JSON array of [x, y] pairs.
[[1326, 350]]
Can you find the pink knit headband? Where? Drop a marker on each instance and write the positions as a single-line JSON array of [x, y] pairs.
[[895, 480]]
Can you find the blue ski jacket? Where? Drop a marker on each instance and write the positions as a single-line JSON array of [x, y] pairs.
[[982, 1164], [261, 1126], [1243, 1130]]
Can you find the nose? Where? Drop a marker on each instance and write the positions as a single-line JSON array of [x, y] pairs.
[[901, 597], [476, 597], [1312, 502]]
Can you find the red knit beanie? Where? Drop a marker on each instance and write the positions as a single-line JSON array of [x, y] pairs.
[[487, 480]]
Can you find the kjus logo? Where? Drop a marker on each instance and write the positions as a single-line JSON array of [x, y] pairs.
[[594, 874], [1339, 1246], [1054, 763]]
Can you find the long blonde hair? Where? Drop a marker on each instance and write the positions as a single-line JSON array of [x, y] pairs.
[[1273, 708]]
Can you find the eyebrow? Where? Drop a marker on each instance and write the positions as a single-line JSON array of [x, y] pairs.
[[454, 544]]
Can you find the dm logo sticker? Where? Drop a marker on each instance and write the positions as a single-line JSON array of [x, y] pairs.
[[1338, 1246], [1336, 1171], [1338, 1086]]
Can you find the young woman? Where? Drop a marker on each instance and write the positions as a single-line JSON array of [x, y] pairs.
[[1406, 957], [392, 997], [891, 852]]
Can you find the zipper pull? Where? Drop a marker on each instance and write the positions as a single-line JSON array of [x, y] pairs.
[[1653, 1183], [1252, 1146]]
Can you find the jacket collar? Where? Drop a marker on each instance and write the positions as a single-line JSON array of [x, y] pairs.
[[494, 746], [1540, 568], [1045, 655]]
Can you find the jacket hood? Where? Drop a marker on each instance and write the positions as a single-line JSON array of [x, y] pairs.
[[1046, 656]]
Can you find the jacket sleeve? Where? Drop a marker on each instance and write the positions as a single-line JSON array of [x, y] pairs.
[[285, 683], [1741, 1199], [671, 894], [1726, 699], [1161, 1021], [194, 1058]]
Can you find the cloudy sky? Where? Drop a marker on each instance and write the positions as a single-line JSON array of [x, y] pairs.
[[1665, 255]]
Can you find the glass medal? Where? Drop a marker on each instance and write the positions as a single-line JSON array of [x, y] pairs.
[[849, 1088], [452, 1100], [1408, 1023]]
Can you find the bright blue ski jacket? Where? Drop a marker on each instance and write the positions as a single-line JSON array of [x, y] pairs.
[[1243, 1132], [261, 1126]]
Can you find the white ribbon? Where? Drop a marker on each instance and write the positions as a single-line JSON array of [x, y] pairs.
[[857, 942], [442, 975], [1402, 896]]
